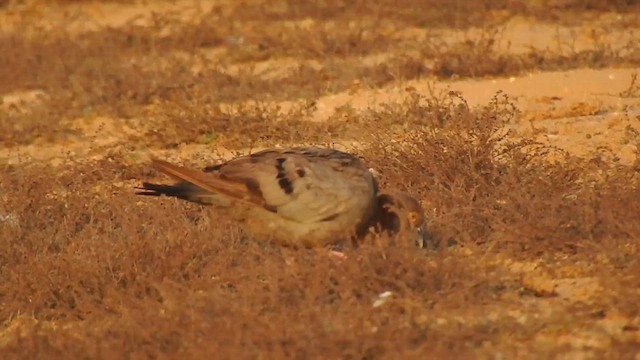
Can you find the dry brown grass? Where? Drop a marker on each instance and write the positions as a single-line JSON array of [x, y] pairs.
[[487, 187], [89, 270]]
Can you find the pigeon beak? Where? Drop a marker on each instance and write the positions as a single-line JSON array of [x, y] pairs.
[[422, 237]]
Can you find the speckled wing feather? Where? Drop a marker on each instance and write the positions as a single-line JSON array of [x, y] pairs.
[[301, 184]]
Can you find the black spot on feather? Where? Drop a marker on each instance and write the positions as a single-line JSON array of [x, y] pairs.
[[286, 185], [283, 181], [253, 186]]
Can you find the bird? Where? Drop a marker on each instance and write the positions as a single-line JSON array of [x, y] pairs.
[[298, 196]]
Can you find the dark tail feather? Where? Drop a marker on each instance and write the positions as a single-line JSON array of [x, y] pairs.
[[179, 191]]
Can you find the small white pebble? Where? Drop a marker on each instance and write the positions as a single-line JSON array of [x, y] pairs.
[[337, 254], [382, 298]]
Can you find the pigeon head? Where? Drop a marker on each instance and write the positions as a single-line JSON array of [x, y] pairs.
[[401, 215]]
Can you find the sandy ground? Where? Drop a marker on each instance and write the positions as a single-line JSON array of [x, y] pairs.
[[577, 110]]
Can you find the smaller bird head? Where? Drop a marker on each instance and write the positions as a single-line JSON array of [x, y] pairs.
[[401, 214]]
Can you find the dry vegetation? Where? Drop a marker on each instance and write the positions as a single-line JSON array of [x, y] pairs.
[[535, 250]]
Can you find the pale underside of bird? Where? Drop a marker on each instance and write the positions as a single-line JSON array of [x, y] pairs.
[[301, 196]]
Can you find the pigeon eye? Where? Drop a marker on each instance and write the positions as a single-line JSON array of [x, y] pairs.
[[413, 217]]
